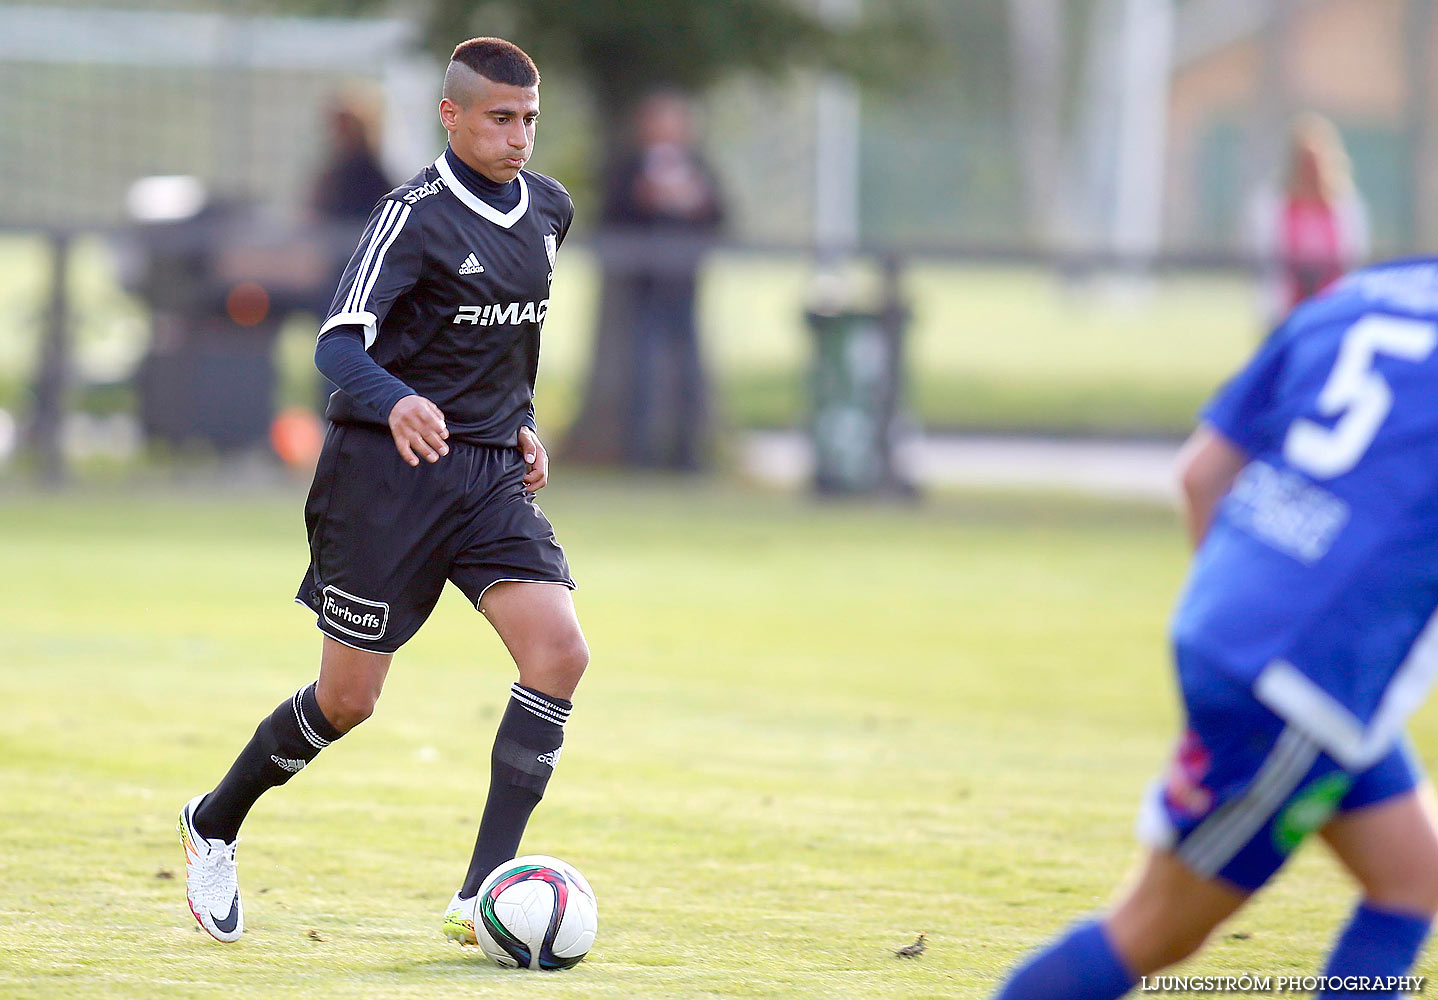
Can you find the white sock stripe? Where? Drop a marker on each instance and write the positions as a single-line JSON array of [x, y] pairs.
[[543, 715], [1224, 834], [555, 717], [539, 705], [537, 700], [313, 738]]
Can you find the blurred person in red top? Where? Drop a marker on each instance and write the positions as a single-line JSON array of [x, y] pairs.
[[1316, 228]]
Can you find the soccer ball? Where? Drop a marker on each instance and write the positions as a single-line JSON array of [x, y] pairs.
[[536, 912]]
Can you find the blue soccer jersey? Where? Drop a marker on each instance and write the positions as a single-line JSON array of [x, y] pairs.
[[1319, 574]]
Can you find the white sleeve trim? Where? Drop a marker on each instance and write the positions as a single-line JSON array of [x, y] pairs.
[[349, 319]]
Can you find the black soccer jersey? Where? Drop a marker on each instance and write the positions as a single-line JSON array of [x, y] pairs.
[[451, 293]]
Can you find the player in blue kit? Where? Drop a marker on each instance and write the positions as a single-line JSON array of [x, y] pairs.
[[427, 475], [1303, 639]]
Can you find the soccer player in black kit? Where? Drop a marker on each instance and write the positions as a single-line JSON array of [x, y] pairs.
[[428, 474]]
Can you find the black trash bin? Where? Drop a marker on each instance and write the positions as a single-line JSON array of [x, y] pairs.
[[856, 384]]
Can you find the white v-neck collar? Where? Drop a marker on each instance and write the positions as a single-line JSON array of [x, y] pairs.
[[477, 205]]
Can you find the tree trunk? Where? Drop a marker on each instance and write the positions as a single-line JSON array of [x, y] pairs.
[[600, 431]]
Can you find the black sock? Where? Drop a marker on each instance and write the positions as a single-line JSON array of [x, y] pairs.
[[526, 748], [291, 737]]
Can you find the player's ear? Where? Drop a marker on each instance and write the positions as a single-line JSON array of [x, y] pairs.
[[448, 114]]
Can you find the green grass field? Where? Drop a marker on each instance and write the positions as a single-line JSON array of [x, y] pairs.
[[809, 733], [990, 348]]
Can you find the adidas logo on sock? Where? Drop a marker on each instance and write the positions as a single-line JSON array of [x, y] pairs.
[[292, 766], [471, 265], [551, 758]]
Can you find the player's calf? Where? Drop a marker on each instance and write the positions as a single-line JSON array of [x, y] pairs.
[[526, 750], [284, 742], [1168, 914]]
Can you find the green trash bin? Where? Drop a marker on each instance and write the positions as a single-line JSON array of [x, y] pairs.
[[855, 388]]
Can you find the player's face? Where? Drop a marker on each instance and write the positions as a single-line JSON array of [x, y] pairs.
[[494, 131]]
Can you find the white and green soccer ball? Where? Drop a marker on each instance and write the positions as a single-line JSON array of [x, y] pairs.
[[536, 912]]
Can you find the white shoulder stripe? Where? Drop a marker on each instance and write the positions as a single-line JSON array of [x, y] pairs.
[[379, 258], [386, 215], [391, 221]]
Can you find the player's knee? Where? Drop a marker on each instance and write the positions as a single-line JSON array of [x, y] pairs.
[[556, 666], [570, 657], [1415, 891], [350, 708]]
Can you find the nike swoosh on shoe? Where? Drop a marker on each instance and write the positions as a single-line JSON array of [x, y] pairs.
[[227, 925]]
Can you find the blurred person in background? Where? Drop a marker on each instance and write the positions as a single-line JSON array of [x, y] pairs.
[[1313, 230], [665, 189], [351, 181]]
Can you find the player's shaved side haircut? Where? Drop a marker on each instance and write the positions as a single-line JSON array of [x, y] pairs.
[[492, 58]]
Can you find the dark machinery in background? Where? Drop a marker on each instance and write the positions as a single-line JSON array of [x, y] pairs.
[[219, 279]]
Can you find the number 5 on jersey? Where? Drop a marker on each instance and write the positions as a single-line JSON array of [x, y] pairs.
[[1356, 394]]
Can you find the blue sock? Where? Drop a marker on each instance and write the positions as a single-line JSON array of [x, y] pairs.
[[1376, 943], [1081, 965]]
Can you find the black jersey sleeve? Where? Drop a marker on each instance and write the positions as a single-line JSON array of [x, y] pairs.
[[385, 265], [568, 213]]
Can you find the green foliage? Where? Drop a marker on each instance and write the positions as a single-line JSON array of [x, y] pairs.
[[624, 48]]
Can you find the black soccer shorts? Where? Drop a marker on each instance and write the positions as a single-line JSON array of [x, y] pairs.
[[384, 536]]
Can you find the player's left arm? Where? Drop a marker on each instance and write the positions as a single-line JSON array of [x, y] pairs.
[[536, 475], [1208, 464]]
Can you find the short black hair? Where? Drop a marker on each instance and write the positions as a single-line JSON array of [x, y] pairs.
[[498, 60]]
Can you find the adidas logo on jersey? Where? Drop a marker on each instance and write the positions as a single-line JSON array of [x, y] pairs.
[[471, 265], [551, 758], [292, 766]]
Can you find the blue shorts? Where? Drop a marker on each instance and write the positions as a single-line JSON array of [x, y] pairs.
[[1245, 787]]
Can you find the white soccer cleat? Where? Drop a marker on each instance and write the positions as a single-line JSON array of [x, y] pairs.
[[211, 884], [459, 920]]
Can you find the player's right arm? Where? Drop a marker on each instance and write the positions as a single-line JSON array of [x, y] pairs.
[[385, 265], [1238, 423], [1208, 464], [416, 423]]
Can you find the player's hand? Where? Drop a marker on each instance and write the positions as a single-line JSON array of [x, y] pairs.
[[536, 458], [418, 429]]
